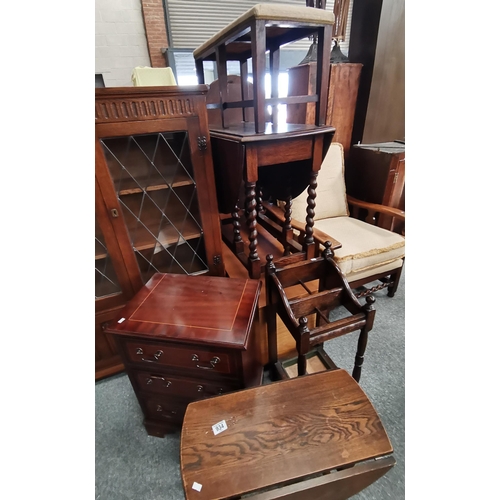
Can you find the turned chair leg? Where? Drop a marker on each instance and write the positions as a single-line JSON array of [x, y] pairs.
[[271, 314], [360, 354], [303, 346], [363, 337], [391, 290]]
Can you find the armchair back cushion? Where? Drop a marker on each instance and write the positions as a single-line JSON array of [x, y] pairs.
[[331, 189]]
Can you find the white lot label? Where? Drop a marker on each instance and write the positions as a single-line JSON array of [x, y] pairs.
[[219, 427]]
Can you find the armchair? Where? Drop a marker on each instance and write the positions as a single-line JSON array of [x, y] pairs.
[[364, 252]]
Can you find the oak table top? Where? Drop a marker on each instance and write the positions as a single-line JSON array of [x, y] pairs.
[[266, 436]]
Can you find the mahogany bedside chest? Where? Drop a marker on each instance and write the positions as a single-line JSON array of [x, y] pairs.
[[184, 338]]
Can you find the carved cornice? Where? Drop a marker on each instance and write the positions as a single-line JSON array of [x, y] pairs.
[[113, 110], [145, 103]]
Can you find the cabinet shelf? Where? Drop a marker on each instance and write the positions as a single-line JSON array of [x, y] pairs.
[[166, 237], [188, 258], [161, 217], [148, 162], [154, 187]]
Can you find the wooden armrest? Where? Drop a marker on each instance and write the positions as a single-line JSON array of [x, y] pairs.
[[383, 209], [391, 218], [318, 235]]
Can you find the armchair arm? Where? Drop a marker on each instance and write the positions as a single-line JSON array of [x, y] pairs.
[[375, 211]]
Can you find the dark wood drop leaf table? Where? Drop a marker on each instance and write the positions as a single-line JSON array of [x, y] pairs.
[[313, 437]]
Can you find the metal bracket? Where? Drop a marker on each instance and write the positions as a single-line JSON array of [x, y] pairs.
[[202, 143]]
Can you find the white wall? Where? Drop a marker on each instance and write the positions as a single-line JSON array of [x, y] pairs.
[[120, 40]]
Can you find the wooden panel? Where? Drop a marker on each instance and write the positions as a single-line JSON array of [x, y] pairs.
[[375, 173], [377, 41], [342, 95], [337, 485], [341, 104], [107, 359], [385, 115], [284, 151], [122, 104], [301, 81]]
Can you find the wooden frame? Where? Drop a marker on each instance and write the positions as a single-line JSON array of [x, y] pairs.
[[148, 112]]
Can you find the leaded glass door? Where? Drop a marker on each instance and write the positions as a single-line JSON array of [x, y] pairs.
[[106, 281], [155, 186]]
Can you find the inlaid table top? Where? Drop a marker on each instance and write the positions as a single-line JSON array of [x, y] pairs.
[[266, 436], [185, 308]]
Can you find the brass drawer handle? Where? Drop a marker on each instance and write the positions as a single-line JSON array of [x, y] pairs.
[[212, 362], [166, 413], [156, 355], [150, 379]]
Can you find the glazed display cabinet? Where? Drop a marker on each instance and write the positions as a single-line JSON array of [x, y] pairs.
[[156, 208]]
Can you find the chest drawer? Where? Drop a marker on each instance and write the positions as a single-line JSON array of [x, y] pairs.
[[159, 383], [166, 410], [195, 358]]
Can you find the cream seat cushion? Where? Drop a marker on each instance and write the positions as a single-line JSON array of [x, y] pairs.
[[364, 246], [271, 12]]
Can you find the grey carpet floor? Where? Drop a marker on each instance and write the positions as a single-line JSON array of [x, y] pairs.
[[129, 464]]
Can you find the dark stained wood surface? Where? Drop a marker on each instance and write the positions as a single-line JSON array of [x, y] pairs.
[[191, 308], [244, 132], [184, 338], [262, 34], [130, 111], [337, 485], [341, 104], [377, 40], [277, 433]]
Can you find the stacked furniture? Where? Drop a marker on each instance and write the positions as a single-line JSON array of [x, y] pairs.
[[268, 158], [186, 332]]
